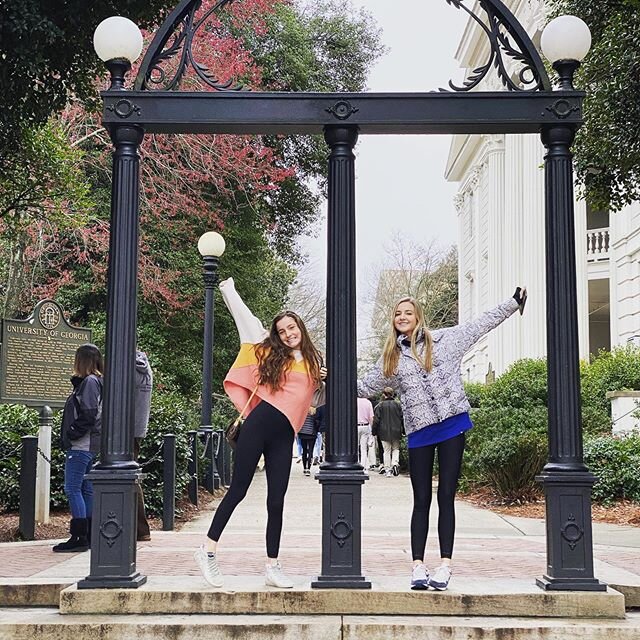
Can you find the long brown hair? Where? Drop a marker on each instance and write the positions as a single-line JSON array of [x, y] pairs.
[[88, 361], [275, 358], [391, 351]]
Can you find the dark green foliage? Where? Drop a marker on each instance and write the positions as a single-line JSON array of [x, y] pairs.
[[523, 384], [476, 393], [617, 370], [47, 55], [616, 464], [607, 147], [509, 464], [15, 421], [505, 449], [170, 413]]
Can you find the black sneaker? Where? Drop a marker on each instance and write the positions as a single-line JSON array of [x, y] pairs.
[[396, 470]]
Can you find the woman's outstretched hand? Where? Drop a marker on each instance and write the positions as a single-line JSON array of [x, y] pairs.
[[323, 373], [520, 296]]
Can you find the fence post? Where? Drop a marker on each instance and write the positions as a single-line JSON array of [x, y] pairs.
[[168, 481], [43, 466], [28, 460], [226, 460], [193, 467]]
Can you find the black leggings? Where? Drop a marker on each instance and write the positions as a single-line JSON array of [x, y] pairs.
[[268, 432], [421, 472], [307, 443]]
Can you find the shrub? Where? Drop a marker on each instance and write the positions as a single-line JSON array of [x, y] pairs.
[[505, 449], [615, 462], [509, 465], [523, 384], [15, 421], [476, 393], [610, 371], [170, 413]]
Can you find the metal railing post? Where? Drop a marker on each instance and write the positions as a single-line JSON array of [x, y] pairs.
[[168, 482], [28, 461], [193, 467]]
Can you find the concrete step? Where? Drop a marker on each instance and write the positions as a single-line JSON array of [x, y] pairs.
[[25, 592], [47, 624], [248, 595]]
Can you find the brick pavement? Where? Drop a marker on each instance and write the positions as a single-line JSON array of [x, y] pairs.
[[487, 545]]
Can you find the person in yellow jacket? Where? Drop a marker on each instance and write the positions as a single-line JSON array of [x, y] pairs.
[[276, 372]]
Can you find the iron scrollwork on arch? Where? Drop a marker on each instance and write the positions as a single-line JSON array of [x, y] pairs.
[[507, 39], [175, 39]]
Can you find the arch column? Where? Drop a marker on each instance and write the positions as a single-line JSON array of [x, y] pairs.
[[116, 476], [567, 481], [340, 476]]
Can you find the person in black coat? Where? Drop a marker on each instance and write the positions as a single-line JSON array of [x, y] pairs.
[[387, 424]]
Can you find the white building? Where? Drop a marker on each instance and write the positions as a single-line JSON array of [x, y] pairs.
[[500, 207]]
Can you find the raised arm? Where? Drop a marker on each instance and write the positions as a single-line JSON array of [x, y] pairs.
[[249, 327], [468, 333]]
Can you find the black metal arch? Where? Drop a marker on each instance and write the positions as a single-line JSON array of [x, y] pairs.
[[507, 39]]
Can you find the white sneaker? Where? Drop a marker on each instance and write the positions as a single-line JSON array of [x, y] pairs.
[[208, 564], [440, 579], [275, 577], [420, 578], [388, 474]]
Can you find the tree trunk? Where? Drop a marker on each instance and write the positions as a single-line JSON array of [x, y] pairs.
[[15, 275]]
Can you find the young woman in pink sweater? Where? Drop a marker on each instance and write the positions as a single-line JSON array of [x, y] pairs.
[[276, 372]]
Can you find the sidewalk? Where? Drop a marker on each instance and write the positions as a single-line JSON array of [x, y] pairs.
[[488, 545]]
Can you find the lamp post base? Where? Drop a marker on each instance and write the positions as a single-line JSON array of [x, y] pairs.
[[570, 584], [569, 539], [113, 530], [341, 529]]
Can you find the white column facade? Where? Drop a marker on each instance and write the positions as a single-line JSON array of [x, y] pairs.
[[503, 177]]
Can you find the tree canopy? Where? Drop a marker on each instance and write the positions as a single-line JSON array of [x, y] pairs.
[[607, 147]]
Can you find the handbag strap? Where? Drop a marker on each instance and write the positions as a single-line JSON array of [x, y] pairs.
[[246, 406]]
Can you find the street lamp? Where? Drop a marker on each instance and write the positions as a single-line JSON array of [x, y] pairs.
[[115, 478], [565, 42], [566, 480], [118, 43], [211, 246]]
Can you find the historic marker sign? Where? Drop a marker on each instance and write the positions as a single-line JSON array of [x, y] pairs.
[[36, 358]]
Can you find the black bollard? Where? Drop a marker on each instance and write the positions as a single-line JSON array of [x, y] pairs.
[[193, 467], [28, 461], [168, 482]]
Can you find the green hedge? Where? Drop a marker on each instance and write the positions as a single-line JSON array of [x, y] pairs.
[[170, 413], [616, 464]]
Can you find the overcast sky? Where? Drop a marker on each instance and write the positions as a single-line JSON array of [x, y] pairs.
[[400, 181]]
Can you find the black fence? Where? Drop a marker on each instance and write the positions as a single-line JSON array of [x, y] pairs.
[[215, 450]]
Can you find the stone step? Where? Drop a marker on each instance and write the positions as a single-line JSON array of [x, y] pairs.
[[248, 595], [47, 624], [27, 592]]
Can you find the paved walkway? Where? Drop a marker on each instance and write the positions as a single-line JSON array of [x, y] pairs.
[[488, 545]]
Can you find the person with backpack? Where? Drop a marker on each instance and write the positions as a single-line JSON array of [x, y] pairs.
[[80, 440]]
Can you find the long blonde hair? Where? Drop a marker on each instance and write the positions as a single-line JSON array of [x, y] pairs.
[[391, 351]]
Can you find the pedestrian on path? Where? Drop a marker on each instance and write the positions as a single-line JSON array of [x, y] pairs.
[[274, 375], [80, 440], [424, 366], [387, 423], [365, 439], [309, 431], [144, 387]]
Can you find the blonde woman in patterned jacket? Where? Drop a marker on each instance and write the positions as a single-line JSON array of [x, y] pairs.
[[424, 367]]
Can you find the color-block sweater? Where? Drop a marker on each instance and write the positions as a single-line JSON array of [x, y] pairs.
[[294, 398]]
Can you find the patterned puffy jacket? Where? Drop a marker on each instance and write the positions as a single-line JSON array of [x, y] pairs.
[[431, 397]]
